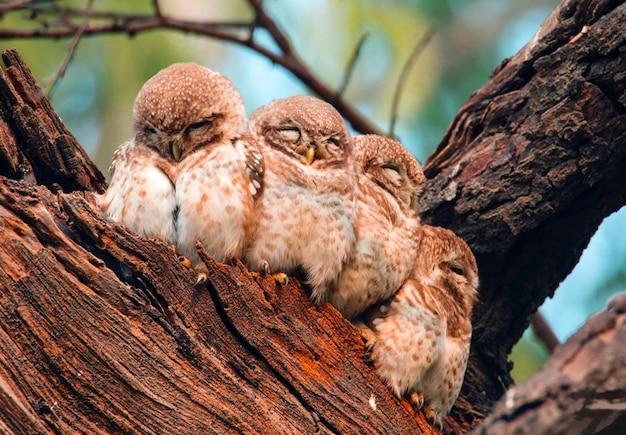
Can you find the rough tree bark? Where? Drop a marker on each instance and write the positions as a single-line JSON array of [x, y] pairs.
[[103, 331]]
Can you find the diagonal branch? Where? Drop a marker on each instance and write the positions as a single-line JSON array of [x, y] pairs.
[[351, 64], [419, 48], [71, 50]]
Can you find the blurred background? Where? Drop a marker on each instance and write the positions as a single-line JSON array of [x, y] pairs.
[[95, 97]]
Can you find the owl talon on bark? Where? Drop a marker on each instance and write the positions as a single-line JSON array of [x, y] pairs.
[[368, 336], [201, 278], [202, 274], [416, 399], [433, 418], [185, 262], [280, 277]]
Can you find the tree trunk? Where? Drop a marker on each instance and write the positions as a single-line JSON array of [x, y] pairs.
[[103, 331]]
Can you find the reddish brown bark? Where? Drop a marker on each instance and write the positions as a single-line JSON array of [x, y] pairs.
[[528, 169], [103, 331], [580, 389]]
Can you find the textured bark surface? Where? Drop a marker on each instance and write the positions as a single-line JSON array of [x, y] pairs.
[[528, 169], [580, 390], [103, 331]]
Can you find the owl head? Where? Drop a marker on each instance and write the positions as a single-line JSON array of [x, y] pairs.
[[307, 129], [185, 107], [388, 164], [447, 262]]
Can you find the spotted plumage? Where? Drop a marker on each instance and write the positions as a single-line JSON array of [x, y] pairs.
[[422, 334], [305, 216], [189, 172], [389, 180]]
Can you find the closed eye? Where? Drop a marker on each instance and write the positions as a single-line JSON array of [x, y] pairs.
[[457, 270], [290, 133], [392, 167], [199, 125], [336, 141], [392, 173]]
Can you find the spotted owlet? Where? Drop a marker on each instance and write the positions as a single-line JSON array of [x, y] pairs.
[[187, 173], [422, 335], [305, 216], [388, 182]]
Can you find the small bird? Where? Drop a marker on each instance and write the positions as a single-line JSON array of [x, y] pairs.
[[305, 215], [389, 180], [188, 173], [420, 338]]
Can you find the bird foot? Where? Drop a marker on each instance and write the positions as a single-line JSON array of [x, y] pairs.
[[371, 351], [433, 418], [280, 277], [185, 262], [201, 272], [416, 399]]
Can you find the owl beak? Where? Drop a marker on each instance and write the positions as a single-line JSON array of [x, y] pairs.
[[409, 201], [310, 155], [176, 151]]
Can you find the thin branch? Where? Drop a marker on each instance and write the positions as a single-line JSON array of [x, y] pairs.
[[71, 50], [419, 48], [157, 8], [544, 332], [16, 4], [351, 65], [263, 20]]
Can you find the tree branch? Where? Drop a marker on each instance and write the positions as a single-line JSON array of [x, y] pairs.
[[580, 389], [521, 170], [404, 74], [71, 49], [351, 64], [544, 332], [228, 32]]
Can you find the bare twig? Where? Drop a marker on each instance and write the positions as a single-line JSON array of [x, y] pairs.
[[238, 33], [71, 50], [544, 333], [15, 4], [263, 20], [351, 64], [157, 8], [419, 48]]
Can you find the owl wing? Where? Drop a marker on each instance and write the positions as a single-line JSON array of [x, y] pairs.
[[443, 383], [254, 163], [140, 195], [410, 338]]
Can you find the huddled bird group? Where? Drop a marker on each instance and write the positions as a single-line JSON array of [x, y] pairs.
[[289, 191]]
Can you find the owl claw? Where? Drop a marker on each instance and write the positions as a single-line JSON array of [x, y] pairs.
[[416, 399], [433, 418], [201, 274], [201, 278], [371, 350], [280, 277], [185, 262], [265, 267]]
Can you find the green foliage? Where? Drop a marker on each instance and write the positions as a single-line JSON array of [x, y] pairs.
[[528, 356]]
